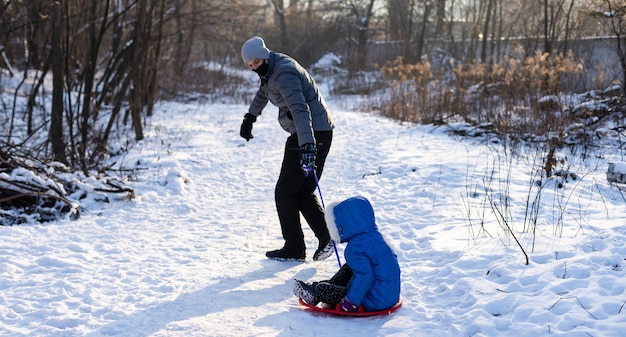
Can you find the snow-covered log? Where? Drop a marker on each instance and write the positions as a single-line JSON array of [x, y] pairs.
[[616, 173], [35, 191]]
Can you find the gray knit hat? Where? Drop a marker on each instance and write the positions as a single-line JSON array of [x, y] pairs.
[[254, 49]]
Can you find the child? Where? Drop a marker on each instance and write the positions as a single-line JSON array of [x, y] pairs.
[[371, 275]]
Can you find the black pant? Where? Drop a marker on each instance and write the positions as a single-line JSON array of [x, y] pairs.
[[295, 193], [335, 289]]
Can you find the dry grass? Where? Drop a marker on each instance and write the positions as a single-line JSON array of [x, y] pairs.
[[521, 98], [506, 94]]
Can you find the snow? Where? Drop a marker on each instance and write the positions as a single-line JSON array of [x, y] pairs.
[[186, 256], [619, 168]]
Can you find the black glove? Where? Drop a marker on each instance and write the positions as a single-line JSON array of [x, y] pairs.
[[246, 126], [307, 155]]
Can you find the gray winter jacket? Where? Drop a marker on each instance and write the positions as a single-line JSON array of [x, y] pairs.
[[301, 107]]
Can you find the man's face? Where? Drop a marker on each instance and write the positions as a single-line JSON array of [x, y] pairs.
[[254, 63]]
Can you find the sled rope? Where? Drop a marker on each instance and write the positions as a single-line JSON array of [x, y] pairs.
[[308, 170]]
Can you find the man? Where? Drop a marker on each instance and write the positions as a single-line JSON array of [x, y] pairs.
[[303, 113]]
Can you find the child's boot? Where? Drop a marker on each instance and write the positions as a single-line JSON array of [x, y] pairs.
[[305, 291]]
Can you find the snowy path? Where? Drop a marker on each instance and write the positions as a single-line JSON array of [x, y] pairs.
[[186, 257]]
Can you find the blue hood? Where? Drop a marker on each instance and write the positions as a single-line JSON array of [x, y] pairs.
[[350, 217]]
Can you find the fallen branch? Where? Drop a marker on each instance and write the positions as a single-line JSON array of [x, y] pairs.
[[582, 306], [380, 168], [506, 224], [40, 194]]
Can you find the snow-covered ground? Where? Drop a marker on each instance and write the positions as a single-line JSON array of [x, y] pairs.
[[186, 256]]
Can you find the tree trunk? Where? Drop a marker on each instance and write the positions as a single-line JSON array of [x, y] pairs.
[[422, 35], [96, 33], [362, 36], [567, 27], [279, 17], [441, 17], [138, 68], [401, 21], [56, 61], [154, 63], [485, 39]]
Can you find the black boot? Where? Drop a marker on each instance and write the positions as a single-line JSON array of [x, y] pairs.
[[305, 292], [324, 249], [284, 254]]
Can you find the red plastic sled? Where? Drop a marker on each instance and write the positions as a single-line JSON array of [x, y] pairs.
[[359, 313]]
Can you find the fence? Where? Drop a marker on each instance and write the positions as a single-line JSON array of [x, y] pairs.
[[600, 56]]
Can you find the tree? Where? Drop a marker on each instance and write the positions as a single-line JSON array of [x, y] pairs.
[[362, 13], [486, 37], [279, 17], [616, 15], [56, 60], [423, 31], [400, 15], [111, 60], [141, 45], [440, 17], [555, 22]]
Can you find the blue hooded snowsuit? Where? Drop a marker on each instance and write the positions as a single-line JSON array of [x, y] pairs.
[[376, 274]]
